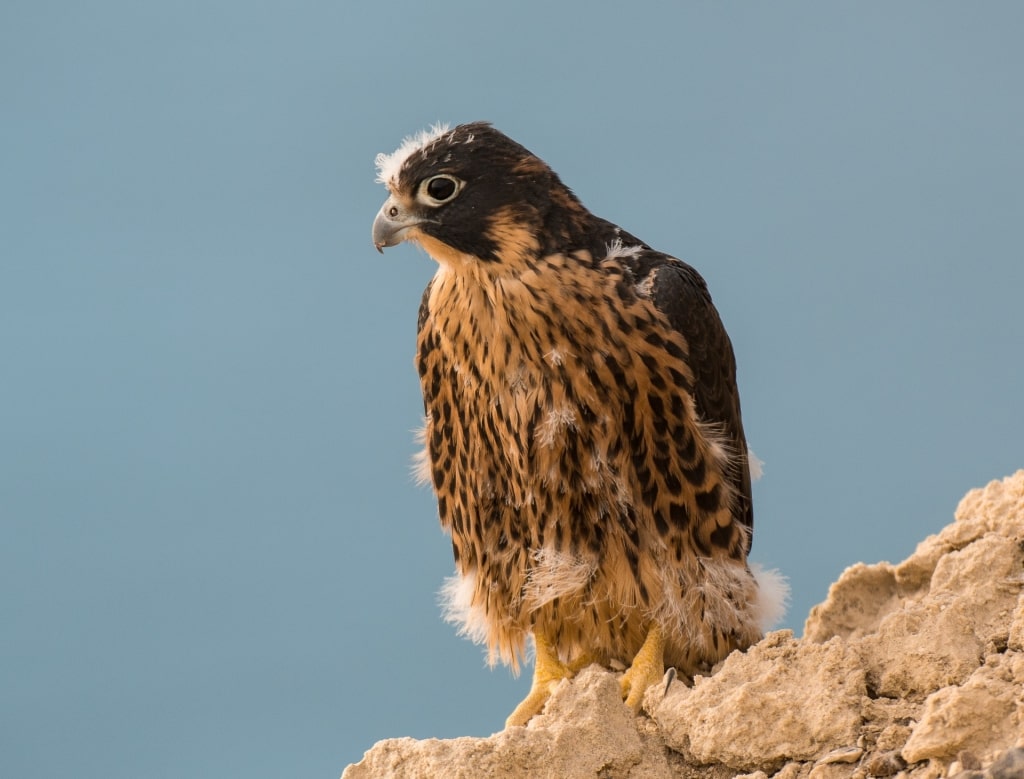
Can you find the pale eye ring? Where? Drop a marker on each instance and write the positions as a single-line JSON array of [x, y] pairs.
[[439, 189]]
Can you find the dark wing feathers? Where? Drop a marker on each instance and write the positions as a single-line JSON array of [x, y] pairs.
[[679, 292]]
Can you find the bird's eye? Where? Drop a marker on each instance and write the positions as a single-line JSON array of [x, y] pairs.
[[440, 189]]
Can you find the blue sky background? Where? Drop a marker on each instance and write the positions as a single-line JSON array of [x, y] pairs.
[[213, 561]]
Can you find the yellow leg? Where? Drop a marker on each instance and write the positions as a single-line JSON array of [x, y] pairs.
[[548, 671], [581, 662], [648, 668]]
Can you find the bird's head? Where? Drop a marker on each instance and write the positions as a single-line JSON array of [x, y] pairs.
[[472, 194]]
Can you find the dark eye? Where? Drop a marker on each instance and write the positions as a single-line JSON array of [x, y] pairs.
[[440, 189]]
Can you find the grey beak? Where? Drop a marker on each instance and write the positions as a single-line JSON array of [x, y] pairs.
[[392, 224]]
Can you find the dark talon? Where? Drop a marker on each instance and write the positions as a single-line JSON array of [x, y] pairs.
[[670, 676]]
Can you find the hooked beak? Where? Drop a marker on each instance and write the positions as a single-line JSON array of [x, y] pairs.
[[392, 224]]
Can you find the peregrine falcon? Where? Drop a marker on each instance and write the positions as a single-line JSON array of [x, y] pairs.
[[583, 430]]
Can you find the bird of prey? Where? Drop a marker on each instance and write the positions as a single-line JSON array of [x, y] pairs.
[[583, 430]]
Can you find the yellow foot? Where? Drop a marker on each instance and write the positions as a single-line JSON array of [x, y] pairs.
[[648, 668], [547, 673]]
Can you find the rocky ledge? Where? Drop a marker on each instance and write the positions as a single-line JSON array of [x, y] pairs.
[[909, 670]]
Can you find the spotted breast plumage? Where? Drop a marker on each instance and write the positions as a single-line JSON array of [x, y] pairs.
[[583, 431]]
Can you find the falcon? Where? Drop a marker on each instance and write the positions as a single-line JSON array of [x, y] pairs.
[[582, 424]]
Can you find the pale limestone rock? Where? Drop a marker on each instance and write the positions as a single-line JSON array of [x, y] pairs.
[[883, 729], [925, 624], [842, 755], [920, 648], [807, 695], [996, 506], [1015, 639], [585, 731], [983, 715], [829, 771], [906, 670], [793, 771], [856, 603], [994, 563]]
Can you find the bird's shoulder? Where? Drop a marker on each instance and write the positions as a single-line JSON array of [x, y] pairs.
[[678, 291]]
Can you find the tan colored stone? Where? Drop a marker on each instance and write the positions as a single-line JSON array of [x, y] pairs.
[[997, 506], [983, 715], [793, 771], [1015, 638], [807, 697], [921, 661], [921, 648], [855, 604], [842, 755], [586, 731], [830, 771]]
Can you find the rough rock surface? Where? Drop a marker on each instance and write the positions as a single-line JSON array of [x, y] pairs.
[[908, 670]]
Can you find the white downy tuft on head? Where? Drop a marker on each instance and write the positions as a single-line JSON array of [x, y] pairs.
[[388, 165], [772, 596]]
